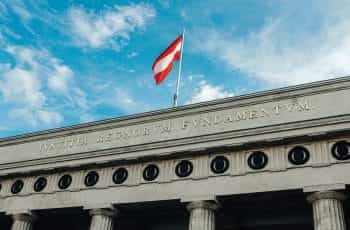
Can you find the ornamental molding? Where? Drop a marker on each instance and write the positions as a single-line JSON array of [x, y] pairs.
[[332, 195], [232, 140], [305, 110], [202, 184], [209, 205], [320, 156]]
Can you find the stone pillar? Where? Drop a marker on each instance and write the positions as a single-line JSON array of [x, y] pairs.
[[23, 221], [202, 215], [102, 219], [328, 210]]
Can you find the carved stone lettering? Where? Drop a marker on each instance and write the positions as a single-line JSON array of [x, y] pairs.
[[177, 127], [64, 144]]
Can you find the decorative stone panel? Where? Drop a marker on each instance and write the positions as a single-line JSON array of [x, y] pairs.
[[320, 156]]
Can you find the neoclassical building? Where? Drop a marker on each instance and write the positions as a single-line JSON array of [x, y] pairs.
[[277, 159]]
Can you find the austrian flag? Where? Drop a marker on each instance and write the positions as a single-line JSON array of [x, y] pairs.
[[164, 62]]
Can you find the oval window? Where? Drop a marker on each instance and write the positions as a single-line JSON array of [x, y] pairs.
[[17, 187], [91, 179], [184, 168], [151, 172], [65, 181], [257, 160], [341, 150], [219, 164], [120, 175], [298, 155], [40, 184]]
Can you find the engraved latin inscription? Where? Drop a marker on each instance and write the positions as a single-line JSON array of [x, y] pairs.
[[245, 115], [64, 144], [127, 133], [185, 127]]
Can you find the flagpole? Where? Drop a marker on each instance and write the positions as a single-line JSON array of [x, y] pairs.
[[176, 95]]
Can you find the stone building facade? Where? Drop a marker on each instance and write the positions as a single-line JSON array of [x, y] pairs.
[[278, 159]]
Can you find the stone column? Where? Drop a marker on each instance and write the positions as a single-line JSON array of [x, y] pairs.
[[328, 210], [202, 215], [23, 221], [102, 219]]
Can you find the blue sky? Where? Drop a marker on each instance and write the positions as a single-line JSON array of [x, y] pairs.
[[69, 62]]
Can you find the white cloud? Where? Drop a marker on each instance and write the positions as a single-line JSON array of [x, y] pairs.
[[49, 117], [118, 96], [125, 69], [87, 118], [36, 117], [193, 77], [26, 56], [207, 92], [41, 65], [184, 15], [132, 54], [112, 27], [78, 98], [19, 8], [123, 99], [22, 87], [39, 11], [62, 78], [32, 81], [294, 47]]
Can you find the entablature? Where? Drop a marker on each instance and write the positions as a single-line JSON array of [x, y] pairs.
[[273, 168], [313, 109]]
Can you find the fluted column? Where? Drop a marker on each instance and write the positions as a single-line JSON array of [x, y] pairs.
[[202, 215], [102, 219], [328, 210], [23, 221]]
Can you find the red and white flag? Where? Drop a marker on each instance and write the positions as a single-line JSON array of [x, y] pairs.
[[164, 62]]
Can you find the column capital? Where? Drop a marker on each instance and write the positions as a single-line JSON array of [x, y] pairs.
[[27, 216], [103, 212], [326, 195], [204, 204]]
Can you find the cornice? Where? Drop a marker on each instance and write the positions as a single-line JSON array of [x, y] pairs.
[[198, 108], [238, 178], [233, 140]]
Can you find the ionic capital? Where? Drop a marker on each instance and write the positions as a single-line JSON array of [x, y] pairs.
[[326, 195], [27, 217], [210, 205], [103, 212]]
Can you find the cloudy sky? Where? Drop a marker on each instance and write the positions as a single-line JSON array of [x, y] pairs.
[[69, 62]]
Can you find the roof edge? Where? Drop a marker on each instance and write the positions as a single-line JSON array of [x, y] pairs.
[[176, 109]]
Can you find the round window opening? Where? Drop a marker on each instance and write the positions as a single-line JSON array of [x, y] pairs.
[[120, 175], [91, 179], [341, 150], [65, 181], [219, 164], [40, 184], [257, 160], [151, 172], [184, 168], [17, 187], [298, 155]]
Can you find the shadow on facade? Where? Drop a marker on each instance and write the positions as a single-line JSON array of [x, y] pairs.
[[273, 210]]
